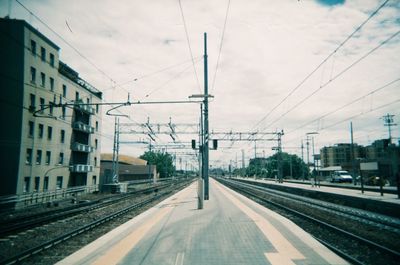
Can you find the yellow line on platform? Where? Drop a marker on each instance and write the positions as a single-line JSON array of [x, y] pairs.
[[118, 251], [280, 243]]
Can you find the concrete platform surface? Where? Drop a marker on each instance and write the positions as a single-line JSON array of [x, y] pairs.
[[231, 229]]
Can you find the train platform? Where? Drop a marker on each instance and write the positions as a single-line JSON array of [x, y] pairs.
[[231, 229], [370, 195]]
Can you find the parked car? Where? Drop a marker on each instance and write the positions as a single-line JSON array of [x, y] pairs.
[[341, 176]]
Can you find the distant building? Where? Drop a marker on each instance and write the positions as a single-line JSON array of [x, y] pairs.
[[129, 169], [339, 155], [44, 146], [381, 151]]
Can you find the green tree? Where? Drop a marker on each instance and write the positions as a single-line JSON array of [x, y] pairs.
[[163, 162], [267, 167]]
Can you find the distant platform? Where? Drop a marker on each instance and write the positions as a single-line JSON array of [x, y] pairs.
[[371, 195], [231, 229]]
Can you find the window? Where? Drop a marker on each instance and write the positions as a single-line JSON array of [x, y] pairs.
[[41, 105], [61, 159], [27, 181], [51, 79], [62, 136], [97, 126], [59, 183], [63, 112], [33, 47], [38, 157], [32, 102], [43, 79], [49, 132], [28, 156], [64, 91], [76, 96], [95, 144], [40, 132], [51, 108], [43, 54], [95, 161], [48, 157], [37, 183], [52, 59], [97, 108], [46, 183], [33, 74], [31, 128], [94, 180]]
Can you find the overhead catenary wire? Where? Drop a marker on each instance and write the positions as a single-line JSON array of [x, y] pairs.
[[140, 77], [321, 64], [189, 46], [346, 105], [220, 45], [171, 79], [333, 78]]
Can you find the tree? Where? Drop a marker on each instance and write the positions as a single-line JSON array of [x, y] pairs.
[[163, 162], [267, 167]]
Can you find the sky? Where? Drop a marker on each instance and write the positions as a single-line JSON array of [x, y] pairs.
[[272, 65]]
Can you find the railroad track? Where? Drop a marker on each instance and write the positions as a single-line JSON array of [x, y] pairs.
[[23, 255], [331, 231], [16, 225]]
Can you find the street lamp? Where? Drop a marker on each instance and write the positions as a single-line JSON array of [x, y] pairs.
[[308, 155]]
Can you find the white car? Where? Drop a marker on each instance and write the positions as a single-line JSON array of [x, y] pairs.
[[341, 176]]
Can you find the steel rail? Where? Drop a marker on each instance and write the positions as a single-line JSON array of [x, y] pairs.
[[51, 243]]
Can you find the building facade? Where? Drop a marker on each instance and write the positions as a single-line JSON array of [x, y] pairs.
[[381, 151], [130, 169], [44, 145], [339, 154]]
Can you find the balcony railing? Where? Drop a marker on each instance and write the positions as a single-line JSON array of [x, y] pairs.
[[80, 126], [79, 105], [81, 168], [81, 148]]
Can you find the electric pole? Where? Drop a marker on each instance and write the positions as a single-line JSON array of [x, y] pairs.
[[206, 136], [389, 122]]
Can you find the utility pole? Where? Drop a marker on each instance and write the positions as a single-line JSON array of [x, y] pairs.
[[308, 155], [206, 136], [302, 159], [115, 164], [352, 155], [280, 173], [243, 173], [255, 148], [389, 122]]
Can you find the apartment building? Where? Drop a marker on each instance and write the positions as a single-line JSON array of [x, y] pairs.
[[44, 145]]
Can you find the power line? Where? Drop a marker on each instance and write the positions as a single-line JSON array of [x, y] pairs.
[[157, 72], [188, 41], [220, 45], [171, 79], [346, 105], [334, 78], [322, 63], [362, 113]]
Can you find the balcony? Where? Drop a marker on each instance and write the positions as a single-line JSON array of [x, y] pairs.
[[80, 168], [79, 105], [81, 148], [80, 126]]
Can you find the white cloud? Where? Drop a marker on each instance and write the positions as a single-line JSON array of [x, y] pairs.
[[268, 49]]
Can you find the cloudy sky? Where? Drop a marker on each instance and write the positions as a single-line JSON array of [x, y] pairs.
[[153, 51]]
